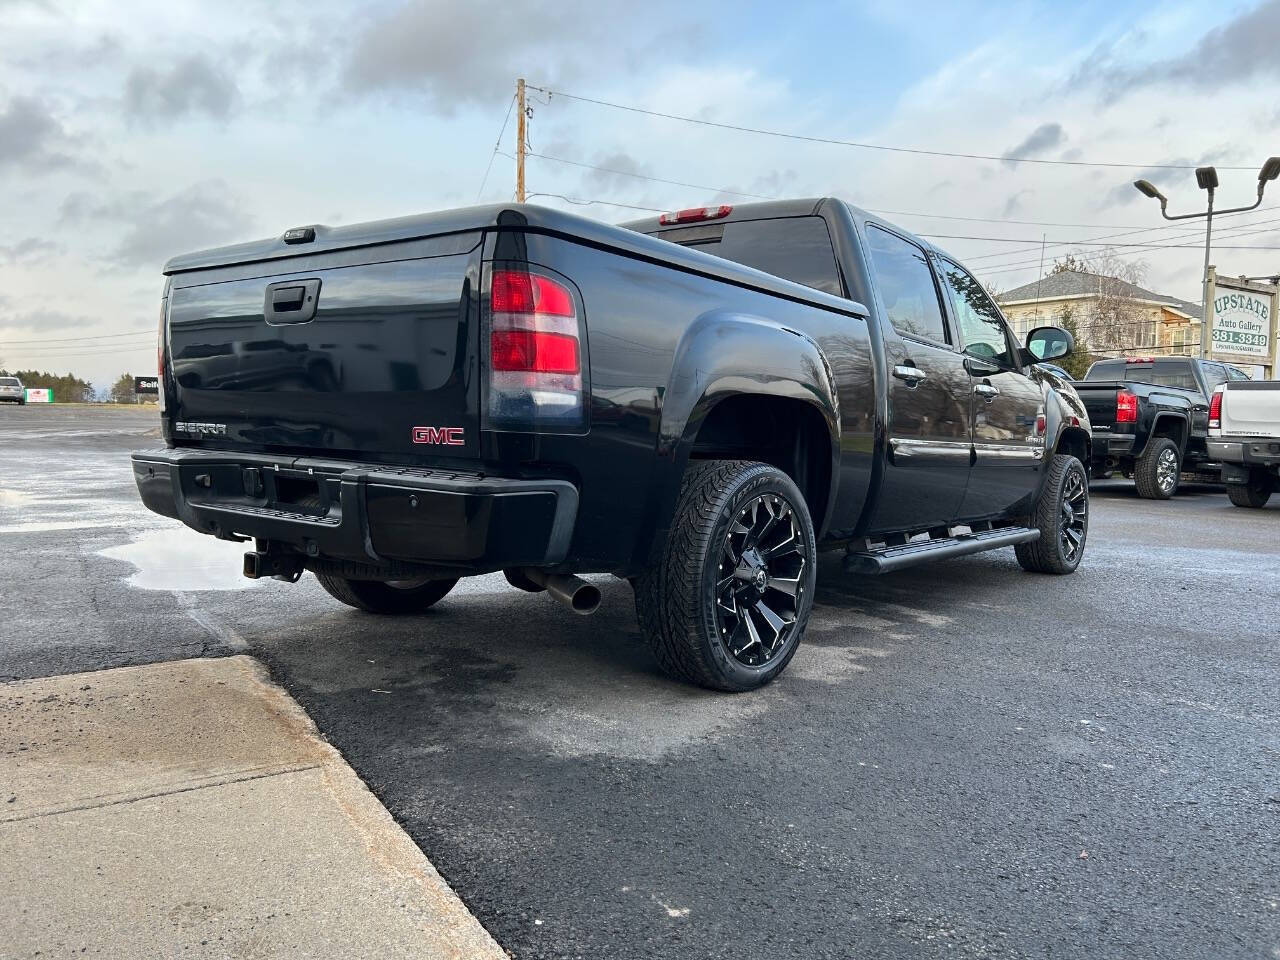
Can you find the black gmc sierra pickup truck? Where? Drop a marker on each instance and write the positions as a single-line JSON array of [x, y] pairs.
[[698, 403], [1150, 418]]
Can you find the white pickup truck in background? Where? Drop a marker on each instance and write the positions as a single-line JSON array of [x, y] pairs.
[[1244, 435]]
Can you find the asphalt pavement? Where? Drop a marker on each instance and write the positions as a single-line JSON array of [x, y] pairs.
[[962, 760]]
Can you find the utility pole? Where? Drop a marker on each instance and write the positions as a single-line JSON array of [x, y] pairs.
[[1206, 293], [520, 140]]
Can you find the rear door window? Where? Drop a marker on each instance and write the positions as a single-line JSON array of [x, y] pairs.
[[793, 248], [906, 286]]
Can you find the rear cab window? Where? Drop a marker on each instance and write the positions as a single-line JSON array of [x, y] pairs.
[[1161, 373], [798, 249], [10, 382], [906, 285]]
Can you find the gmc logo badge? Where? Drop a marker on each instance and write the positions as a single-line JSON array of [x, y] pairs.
[[440, 436]]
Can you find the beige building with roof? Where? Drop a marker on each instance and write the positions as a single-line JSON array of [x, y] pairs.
[[1113, 317]]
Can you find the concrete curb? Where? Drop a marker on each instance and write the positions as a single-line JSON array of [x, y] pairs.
[[193, 808]]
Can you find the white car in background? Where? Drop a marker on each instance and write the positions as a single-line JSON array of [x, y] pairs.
[[11, 390], [1244, 434]]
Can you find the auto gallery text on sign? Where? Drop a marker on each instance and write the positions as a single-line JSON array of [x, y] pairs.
[[1242, 319]]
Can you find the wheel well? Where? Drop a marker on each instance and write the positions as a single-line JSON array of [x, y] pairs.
[[791, 435], [1075, 442], [1174, 428]]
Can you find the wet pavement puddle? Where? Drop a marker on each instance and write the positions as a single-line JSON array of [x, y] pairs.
[[179, 559]]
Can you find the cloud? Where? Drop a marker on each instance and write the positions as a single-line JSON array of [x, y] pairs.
[[1239, 51], [31, 138], [1042, 138], [151, 231], [457, 54], [44, 320], [29, 250], [190, 86], [1013, 205]]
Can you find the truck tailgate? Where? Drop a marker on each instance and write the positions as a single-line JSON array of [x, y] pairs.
[[1099, 399], [320, 353], [1251, 409]]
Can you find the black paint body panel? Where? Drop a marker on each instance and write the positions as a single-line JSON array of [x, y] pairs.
[[670, 333]]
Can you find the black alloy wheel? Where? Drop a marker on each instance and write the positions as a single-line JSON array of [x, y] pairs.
[[761, 585], [725, 597], [1061, 514], [1075, 515]]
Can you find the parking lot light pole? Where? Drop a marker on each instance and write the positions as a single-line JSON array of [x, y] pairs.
[[1207, 179]]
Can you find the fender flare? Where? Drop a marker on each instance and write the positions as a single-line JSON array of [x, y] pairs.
[[724, 354], [1184, 422]]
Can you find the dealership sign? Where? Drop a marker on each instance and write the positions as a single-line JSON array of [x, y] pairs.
[[39, 395], [1242, 322], [146, 386]]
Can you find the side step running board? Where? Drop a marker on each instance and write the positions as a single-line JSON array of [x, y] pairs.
[[888, 559]]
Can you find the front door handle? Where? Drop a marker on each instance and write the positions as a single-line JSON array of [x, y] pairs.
[[986, 391], [911, 374]]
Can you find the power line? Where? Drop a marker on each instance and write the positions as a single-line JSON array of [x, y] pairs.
[[873, 146], [1098, 243], [642, 176], [724, 190], [50, 357], [1239, 231], [1180, 231], [497, 144], [884, 212], [100, 336], [586, 203]]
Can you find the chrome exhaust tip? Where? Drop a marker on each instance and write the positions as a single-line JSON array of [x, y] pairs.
[[575, 593]]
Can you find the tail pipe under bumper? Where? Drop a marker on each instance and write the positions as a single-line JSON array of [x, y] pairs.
[[575, 593]]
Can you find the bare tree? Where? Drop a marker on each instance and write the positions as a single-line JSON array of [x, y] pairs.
[[1117, 321]]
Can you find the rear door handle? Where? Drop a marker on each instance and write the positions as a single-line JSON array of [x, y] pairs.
[[986, 391], [911, 374]]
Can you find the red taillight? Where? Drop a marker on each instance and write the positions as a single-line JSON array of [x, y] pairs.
[[515, 291], [1215, 410], [1040, 424], [1126, 407], [694, 214], [535, 362], [164, 304], [533, 351]]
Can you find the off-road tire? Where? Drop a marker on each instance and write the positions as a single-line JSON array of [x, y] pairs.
[[676, 595], [1146, 470], [1050, 554], [1253, 494], [376, 596]]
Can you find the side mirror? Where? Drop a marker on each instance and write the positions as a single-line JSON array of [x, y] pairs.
[[1049, 343]]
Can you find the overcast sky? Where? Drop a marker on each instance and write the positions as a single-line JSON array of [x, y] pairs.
[[132, 131]]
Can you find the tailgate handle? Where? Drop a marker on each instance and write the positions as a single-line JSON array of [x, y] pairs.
[[291, 301]]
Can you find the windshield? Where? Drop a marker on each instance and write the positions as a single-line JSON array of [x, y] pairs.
[[10, 382]]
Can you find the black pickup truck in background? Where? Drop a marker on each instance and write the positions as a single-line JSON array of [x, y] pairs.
[[697, 403], [1150, 418]]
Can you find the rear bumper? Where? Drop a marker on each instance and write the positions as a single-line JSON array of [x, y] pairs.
[[1239, 454], [369, 513], [1107, 444]]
